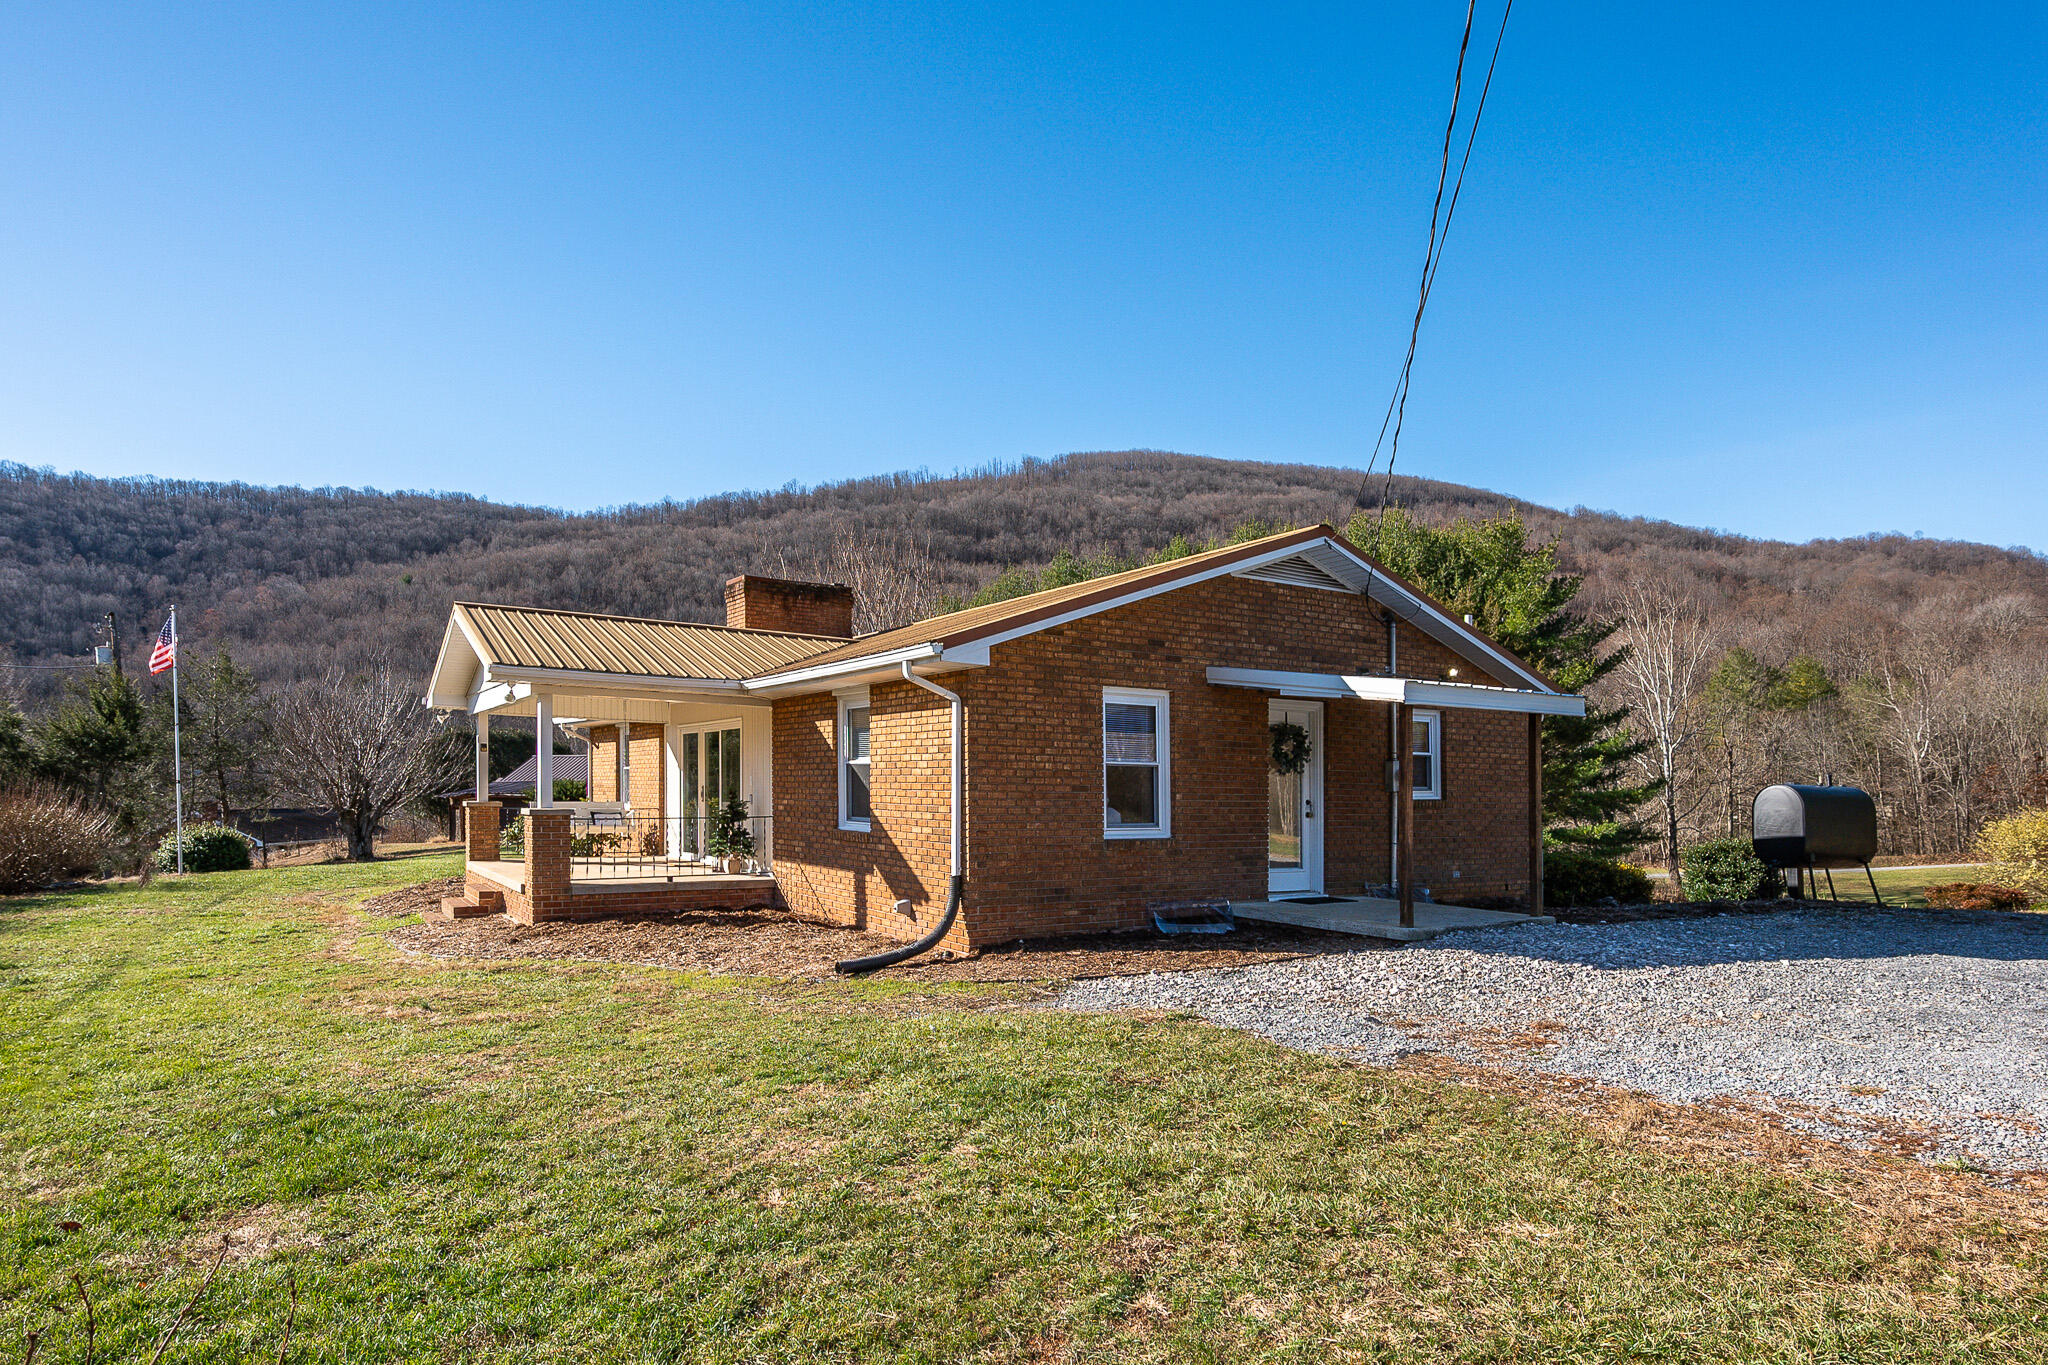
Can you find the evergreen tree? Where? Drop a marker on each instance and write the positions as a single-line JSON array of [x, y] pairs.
[[101, 744], [1803, 683], [226, 731], [1515, 592], [16, 762], [97, 739]]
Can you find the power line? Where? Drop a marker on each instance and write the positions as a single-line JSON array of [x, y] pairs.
[[1440, 216]]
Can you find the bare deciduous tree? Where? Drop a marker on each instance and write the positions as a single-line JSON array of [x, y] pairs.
[[895, 579], [1670, 656], [363, 745]]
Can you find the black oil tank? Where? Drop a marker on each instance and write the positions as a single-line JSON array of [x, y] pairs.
[[1800, 826]]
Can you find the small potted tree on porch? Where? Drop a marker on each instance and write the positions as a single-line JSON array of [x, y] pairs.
[[730, 840]]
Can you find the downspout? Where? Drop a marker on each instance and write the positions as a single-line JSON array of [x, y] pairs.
[[876, 961], [1394, 755]]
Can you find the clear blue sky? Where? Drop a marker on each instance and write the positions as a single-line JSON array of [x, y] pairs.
[[1778, 269]]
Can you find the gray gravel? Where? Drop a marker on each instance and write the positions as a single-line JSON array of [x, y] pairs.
[[1857, 1024]]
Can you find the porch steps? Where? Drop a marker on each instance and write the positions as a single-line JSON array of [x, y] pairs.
[[460, 907]]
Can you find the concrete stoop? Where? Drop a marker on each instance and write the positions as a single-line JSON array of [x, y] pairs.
[[1371, 917]]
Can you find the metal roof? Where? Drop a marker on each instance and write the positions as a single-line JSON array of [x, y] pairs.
[[632, 646], [580, 641]]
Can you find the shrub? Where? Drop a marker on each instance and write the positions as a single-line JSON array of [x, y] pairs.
[[1977, 896], [568, 789], [1574, 878], [46, 836], [208, 848], [1727, 870], [2017, 850]]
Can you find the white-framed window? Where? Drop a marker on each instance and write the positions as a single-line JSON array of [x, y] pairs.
[[625, 742], [1137, 776], [1426, 750], [856, 800]]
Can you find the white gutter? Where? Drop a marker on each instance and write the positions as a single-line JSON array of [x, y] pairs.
[[866, 663], [647, 681]]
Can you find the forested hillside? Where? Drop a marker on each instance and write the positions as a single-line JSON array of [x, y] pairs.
[[294, 578], [1916, 668]]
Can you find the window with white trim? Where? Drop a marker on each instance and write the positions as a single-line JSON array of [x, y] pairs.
[[856, 805], [1137, 779], [1426, 746]]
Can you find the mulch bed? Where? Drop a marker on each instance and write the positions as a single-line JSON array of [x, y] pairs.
[[775, 943], [412, 900]]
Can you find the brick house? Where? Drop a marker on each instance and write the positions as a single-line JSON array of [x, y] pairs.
[[1074, 756]]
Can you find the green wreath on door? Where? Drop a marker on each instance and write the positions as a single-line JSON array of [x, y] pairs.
[[1292, 747]]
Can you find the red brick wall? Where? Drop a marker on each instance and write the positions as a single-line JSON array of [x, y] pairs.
[[756, 603], [604, 763], [480, 831], [588, 901], [856, 877], [1037, 862], [648, 771]]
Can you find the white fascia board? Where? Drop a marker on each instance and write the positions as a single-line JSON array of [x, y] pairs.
[[1140, 594], [1480, 697], [1411, 691], [1480, 650], [1457, 629], [797, 680], [577, 679], [444, 691]]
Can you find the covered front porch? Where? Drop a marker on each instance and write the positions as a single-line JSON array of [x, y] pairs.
[[673, 815]]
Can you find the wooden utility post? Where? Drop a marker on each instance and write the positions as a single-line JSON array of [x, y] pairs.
[[1404, 806], [1535, 814]]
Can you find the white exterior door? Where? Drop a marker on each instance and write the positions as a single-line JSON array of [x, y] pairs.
[[1294, 808]]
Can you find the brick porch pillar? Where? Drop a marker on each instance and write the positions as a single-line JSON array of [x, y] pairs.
[[480, 831], [547, 863]]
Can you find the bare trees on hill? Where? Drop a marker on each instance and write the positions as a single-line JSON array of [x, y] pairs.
[[1940, 710], [1910, 666]]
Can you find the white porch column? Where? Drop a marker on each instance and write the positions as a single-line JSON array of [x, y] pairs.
[[543, 751], [483, 758]]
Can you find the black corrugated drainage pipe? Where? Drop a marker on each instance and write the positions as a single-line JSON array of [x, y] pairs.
[[956, 886]]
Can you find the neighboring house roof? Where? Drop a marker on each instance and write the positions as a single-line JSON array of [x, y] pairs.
[[519, 782], [536, 637]]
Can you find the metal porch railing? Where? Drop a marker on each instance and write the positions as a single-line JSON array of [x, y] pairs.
[[610, 846]]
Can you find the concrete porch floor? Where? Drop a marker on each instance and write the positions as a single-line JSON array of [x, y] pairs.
[[1374, 918]]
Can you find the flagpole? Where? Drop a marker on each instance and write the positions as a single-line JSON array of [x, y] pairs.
[[177, 746]]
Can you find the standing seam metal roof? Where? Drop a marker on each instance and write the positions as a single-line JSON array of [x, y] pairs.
[[538, 637]]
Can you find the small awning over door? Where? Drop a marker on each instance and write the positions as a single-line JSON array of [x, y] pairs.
[[1401, 691]]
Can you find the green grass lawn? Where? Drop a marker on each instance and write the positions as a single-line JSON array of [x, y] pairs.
[[561, 1162], [1902, 886]]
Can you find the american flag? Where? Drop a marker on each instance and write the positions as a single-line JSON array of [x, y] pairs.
[[165, 655]]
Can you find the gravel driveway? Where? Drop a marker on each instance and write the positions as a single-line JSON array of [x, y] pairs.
[[1920, 1032]]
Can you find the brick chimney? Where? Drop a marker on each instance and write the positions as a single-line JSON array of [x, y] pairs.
[[756, 603]]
